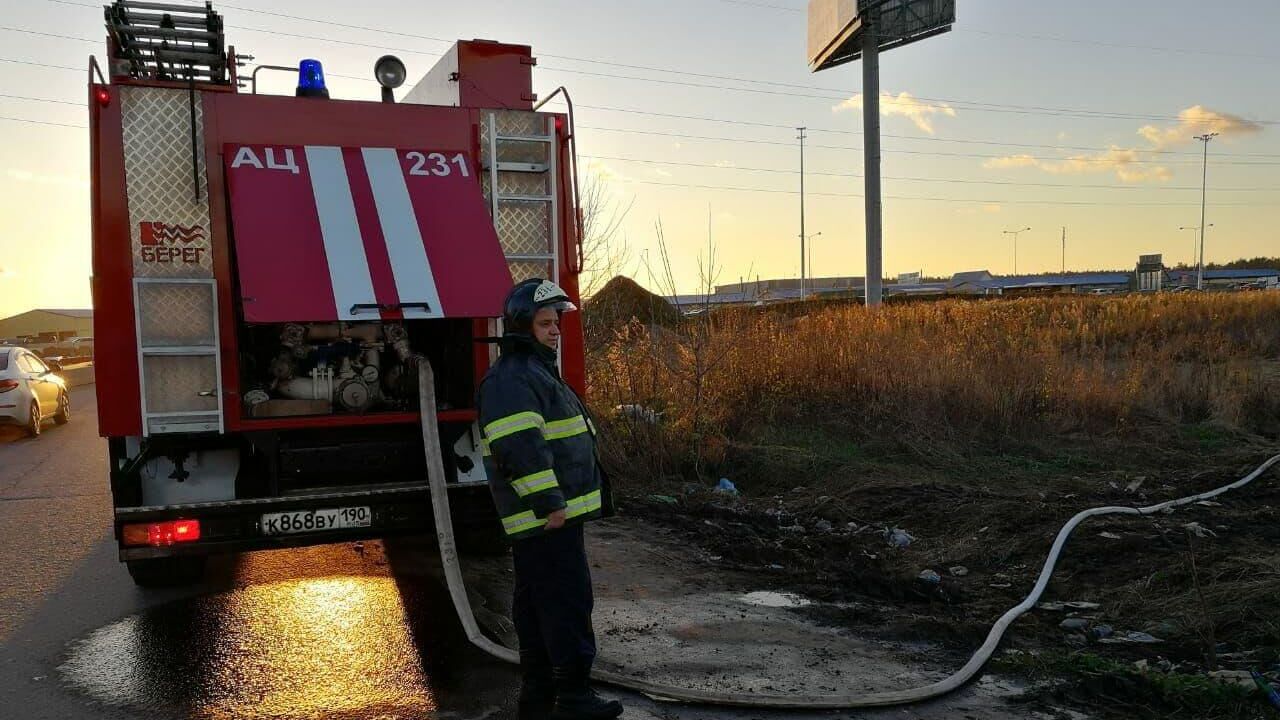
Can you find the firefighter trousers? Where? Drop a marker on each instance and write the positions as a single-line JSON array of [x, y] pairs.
[[553, 600]]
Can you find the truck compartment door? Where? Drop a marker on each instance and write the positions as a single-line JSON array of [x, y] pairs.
[[179, 365], [325, 233]]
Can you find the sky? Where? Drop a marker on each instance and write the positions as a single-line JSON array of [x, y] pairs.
[[1028, 114]]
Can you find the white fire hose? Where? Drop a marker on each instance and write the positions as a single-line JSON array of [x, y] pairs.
[[457, 589]]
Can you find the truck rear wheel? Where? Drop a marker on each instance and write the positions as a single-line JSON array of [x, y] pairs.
[[166, 572]]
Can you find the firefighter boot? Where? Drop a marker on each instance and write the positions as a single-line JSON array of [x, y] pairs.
[[537, 686], [575, 700]]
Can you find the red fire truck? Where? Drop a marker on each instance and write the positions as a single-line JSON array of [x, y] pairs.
[[268, 271]]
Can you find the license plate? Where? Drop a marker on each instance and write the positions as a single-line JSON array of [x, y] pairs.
[[301, 521]]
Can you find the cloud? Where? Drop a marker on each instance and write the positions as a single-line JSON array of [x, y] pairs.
[[6, 273], [1134, 165], [1127, 164], [1063, 136], [661, 173], [604, 172], [992, 208], [1011, 161], [1198, 120], [905, 104]]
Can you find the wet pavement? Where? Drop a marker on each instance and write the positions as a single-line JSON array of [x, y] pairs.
[[367, 631], [322, 632]]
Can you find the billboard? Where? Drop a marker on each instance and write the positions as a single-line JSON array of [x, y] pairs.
[[835, 26], [911, 278]]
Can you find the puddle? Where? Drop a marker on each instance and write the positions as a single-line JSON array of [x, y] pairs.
[[767, 598], [357, 643]]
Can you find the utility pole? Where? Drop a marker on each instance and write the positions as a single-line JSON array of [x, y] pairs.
[[801, 138], [871, 151], [1015, 234], [1195, 241], [1064, 251], [1204, 183], [809, 240]]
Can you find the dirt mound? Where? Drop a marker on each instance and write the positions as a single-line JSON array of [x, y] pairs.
[[620, 301]]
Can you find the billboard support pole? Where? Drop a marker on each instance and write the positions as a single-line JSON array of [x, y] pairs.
[[871, 159]]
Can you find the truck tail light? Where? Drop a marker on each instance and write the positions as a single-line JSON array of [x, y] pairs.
[[163, 533], [7, 385]]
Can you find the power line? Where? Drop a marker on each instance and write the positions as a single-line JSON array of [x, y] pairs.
[[770, 142], [44, 100], [43, 122], [992, 201], [988, 201], [45, 65], [966, 105], [752, 141], [973, 105], [1051, 38], [1101, 43], [745, 123], [778, 126], [715, 138], [961, 181]]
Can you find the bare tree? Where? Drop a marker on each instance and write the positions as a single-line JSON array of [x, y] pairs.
[[695, 367], [604, 253]]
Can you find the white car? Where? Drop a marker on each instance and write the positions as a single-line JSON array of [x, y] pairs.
[[31, 392]]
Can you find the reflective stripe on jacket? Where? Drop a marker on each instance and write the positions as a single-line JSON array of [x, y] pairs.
[[539, 445]]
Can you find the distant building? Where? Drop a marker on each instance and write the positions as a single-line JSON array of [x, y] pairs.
[[1149, 275], [1225, 279], [47, 325], [974, 282]]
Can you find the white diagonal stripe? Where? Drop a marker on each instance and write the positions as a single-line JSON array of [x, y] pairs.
[[343, 246], [409, 263]]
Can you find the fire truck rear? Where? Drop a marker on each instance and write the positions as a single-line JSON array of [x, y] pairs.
[[269, 271]]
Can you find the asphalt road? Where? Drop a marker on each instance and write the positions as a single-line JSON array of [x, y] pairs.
[[331, 631], [346, 631]]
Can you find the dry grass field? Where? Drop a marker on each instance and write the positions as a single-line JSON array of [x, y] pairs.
[[979, 427]]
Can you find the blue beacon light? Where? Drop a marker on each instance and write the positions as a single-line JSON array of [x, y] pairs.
[[311, 80]]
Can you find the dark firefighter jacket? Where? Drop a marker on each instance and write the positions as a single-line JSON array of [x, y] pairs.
[[539, 443]]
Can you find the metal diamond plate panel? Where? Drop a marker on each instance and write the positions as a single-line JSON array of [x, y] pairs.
[[176, 314], [517, 122], [522, 151], [484, 140], [523, 183], [524, 227], [525, 270], [157, 158], [174, 383]]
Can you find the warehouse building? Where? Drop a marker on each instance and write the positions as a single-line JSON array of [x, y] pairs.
[[46, 326]]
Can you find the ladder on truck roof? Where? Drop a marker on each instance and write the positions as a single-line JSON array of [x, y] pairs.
[[519, 157], [164, 41]]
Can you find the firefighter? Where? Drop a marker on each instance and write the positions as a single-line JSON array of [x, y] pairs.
[[546, 481]]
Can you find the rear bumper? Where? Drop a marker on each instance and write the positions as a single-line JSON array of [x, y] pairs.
[[235, 526], [11, 413]]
